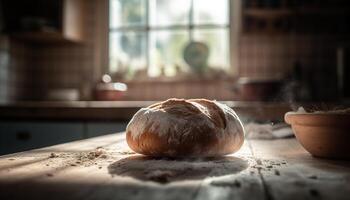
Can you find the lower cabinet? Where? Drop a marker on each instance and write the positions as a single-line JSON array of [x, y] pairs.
[[22, 136], [102, 128]]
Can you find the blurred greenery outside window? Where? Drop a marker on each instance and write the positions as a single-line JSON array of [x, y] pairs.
[[148, 37]]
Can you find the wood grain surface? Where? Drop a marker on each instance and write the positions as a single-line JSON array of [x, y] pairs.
[[105, 168]]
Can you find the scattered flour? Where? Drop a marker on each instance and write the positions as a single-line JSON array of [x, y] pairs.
[[79, 158]]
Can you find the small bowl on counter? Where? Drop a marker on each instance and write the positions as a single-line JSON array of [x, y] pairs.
[[110, 91], [107, 90], [323, 134]]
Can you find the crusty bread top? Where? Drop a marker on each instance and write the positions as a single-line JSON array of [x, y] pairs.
[[176, 114], [178, 127]]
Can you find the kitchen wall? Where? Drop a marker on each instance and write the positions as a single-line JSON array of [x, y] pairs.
[[219, 89], [4, 59], [276, 55], [262, 55], [28, 72], [14, 70]]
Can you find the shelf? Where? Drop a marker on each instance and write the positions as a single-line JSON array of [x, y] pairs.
[[267, 13], [303, 19], [46, 22], [43, 37], [321, 11]]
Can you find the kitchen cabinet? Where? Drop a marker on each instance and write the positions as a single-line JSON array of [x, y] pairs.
[[292, 16], [45, 22], [21, 136], [102, 128]]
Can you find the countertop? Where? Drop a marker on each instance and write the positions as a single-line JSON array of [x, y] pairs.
[[105, 168], [121, 110]]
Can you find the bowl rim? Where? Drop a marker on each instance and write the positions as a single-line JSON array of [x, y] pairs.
[[317, 113], [317, 119]]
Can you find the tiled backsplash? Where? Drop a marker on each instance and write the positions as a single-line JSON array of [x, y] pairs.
[[152, 90], [4, 68], [14, 59], [260, 56], [71, 67], [275, 55]]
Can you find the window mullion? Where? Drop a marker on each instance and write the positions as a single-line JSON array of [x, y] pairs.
[[191, 24], [147, 33]]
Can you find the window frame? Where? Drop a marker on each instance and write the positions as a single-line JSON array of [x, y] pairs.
[[233, 27]]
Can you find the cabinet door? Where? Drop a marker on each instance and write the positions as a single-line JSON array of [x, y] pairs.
[[102, 128], [21, 136]]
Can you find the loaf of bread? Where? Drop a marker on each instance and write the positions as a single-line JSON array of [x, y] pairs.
[[185, 128]]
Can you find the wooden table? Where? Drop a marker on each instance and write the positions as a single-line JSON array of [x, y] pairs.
[[104, 168]]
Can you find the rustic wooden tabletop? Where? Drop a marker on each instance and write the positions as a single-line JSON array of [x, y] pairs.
[[105, 168]]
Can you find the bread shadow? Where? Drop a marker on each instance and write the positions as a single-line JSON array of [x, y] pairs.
[[165, 170]]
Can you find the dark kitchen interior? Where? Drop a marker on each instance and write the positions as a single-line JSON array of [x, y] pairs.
[[74, 72]]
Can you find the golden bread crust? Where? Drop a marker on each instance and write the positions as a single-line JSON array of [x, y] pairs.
[[180, 128]]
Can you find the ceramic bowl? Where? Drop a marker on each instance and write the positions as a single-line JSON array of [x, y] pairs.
[[325, 135]]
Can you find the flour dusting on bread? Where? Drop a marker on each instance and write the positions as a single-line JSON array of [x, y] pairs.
[[200, 125]]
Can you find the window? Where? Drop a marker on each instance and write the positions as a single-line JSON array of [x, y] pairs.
[[151, 35]]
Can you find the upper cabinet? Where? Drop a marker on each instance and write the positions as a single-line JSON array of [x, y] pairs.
[[45, 22], [296, 16]]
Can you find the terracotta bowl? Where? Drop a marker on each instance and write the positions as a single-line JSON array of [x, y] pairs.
[[324, 135]]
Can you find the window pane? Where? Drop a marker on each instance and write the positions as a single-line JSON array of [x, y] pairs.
[[169, 12], [218, 43], [166, 50], [127, 13], [127, 52], [211, 11]]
